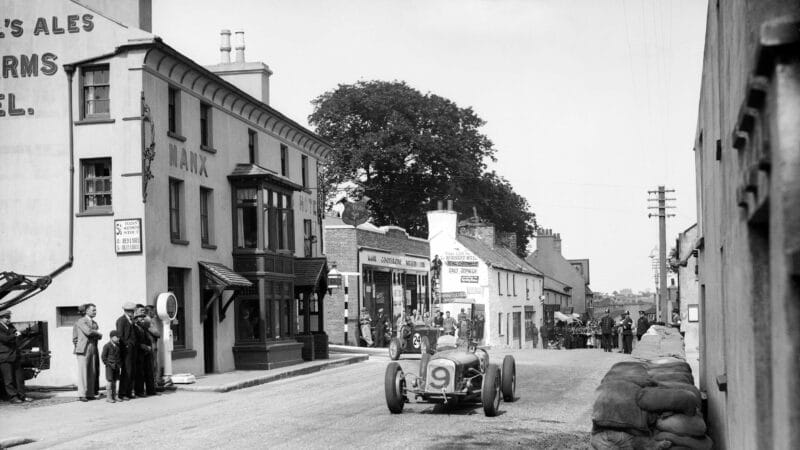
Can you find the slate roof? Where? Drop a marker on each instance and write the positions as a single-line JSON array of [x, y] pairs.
[[551, 284], [308, 271], [225, 276], [497, 257]]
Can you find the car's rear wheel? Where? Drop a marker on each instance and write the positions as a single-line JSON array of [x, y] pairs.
[[395, 387], [490, 391], [395, 349], [425, 345], [509, 378]]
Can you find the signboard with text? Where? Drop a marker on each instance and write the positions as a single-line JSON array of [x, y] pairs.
[[402, 262], [128, 235]]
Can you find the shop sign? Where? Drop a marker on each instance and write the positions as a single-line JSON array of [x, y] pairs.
[[453, 295], [401, 262], [33, 65], [469, 279], [128, 235]]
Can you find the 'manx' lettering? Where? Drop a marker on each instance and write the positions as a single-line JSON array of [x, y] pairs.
[[189, 161]]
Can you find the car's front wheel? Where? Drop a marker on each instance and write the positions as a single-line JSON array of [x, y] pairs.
[[395, 387], [490, 391], [395, 349], [509, 378]]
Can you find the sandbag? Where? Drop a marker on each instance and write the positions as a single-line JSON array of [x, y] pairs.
[[679, 385], [616, 406], [683, 425], [620, 440], [680, 377], [628, 368], [641, 381], [670, 364], [660, 399], [704, 443]]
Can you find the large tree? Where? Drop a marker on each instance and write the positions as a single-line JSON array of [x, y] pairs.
[[405, 150]]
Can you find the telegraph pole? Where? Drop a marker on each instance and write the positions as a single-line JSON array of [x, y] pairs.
[[661, 198]]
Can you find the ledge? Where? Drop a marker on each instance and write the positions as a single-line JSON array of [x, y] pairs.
[[94, 213], [209, 246], [208, 149], [93, 121], [184, 353], [179, 242], [176, 136]]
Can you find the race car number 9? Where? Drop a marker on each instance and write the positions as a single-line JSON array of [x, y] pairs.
[[440, 377]]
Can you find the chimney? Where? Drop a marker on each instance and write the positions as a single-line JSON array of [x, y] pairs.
[[508, 239], [225, 47], [239, 41], [557, 242], [251, 77], [443, 222]]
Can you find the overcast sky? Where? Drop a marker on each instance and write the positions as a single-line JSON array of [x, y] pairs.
[[590, 103]]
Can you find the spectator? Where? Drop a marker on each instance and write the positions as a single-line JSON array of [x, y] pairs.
[[111, 359], [155, 334], [85, 335], [366, 331], [380, 329], [641, 325], [627, 333], [143, 377], [128, 353], [438, 320], [449, 324], [10, 364]]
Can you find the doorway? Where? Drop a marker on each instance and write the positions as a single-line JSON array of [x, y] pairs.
[[517, 329], [208, 333]]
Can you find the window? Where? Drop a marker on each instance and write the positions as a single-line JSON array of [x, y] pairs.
[[304, 168], [248, 323], [278, 220], [246, 218], [514, 283], [96, 88], [96, 185], [499, 290], [178, 325], [284, 160], [175, 209], [508, 290], [205, 125], [66, 316], [500, 324], [252, 146], [307, 238], [174, 110], [527, 290], [206, 222]]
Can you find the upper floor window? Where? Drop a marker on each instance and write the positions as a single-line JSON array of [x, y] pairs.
[[514, 283], [175, 209], [206, 222], [499, 290], [96, 87], [284, 160], [278, 220], [205, 125], [96, 184], [246, 218], [308, 238], [174, 110], [252, 146], [304, 170]]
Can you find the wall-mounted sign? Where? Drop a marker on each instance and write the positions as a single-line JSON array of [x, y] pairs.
[[469, 279], [402, 262], [128, 235], [453, 295], [694, 313]]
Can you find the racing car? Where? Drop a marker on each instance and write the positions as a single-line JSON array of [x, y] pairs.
[[419, 339], [453, 375]]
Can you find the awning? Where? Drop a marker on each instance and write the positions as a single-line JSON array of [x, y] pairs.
[[221, 279], [224, 276], [310, 272]]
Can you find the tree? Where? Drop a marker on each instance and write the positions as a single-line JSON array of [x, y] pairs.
[[406, 150]]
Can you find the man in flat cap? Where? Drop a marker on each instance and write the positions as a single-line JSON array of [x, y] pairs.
[[127, 347], [10, 364]]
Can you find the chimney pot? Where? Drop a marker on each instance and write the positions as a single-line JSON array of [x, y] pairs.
[[439, 205], [239, 42], [225, 46], [449, 205]]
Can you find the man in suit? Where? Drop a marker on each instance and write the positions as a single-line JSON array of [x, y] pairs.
[[627, 333], [127, 347], [85, 337], [10, 364], [143, 381], [606, 328], [641, 325]]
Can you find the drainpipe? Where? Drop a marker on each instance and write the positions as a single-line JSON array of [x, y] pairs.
[[70, 70]]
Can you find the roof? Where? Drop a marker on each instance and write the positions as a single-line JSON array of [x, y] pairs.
[[497, 257], [551, 284], [309, 271], [245, 170], [224, 276]]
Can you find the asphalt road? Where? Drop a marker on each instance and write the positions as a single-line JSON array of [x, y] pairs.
[[338, 408]]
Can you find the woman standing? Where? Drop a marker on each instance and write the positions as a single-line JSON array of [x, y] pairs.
[[85, 335]]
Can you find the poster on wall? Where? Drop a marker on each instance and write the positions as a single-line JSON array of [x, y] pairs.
[[128, 235]]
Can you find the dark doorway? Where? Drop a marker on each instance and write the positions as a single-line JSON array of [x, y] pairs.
[[208, 333]]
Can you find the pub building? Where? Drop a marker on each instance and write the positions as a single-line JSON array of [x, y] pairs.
[[386, 268], [133, 170]]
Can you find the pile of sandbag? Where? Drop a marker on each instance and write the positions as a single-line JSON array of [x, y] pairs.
[[659, 341], [648, 405]]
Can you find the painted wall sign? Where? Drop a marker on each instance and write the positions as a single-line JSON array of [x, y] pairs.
[[402, 262], [188, 161], [32, 65], [128, 235], [306, 204]]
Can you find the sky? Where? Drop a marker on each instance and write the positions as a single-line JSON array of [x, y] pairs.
[[589, 103]]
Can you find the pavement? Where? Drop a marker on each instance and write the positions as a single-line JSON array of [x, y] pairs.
[[217, 382]]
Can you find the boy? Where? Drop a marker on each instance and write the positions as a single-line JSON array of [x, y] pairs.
[[111, 359]]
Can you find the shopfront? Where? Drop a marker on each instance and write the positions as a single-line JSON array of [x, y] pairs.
[[394, 283]]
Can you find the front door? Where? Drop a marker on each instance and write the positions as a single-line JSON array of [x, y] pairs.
[[517, 329], [208, 333]]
